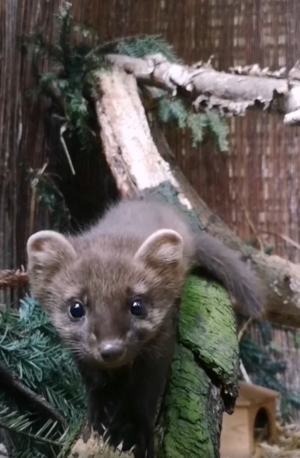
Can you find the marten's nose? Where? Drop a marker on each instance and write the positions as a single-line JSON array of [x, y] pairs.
[[111, 351]]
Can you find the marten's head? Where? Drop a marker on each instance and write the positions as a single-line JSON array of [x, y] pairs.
[[106, 297]]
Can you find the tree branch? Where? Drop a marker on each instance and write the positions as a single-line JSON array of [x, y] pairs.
[[229, 93], [12, 382], [280, 276], [138, 166]]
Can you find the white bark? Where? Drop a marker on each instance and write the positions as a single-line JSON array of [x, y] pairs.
[[229, 93]]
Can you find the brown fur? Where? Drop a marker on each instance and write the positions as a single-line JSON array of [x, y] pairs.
[[124, 256]]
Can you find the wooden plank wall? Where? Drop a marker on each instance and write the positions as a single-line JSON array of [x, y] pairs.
[[259, 177]]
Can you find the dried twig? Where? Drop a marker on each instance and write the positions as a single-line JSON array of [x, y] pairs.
[[252, 226], [243, 329], [286, 238], [244, 372], [61, 133], [240, 335], [34, 183], [13, 278]]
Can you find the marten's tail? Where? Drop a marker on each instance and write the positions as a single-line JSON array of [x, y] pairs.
[[224, 265]]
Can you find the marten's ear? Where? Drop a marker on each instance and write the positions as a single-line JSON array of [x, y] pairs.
[[46, 250], [162, 247]]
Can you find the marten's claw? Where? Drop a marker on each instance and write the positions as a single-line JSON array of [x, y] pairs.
[[132, 449], [120, 446], [107, 439]]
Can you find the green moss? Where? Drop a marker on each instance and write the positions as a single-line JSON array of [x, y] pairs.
[[208, 328], [187, 424], [205, 363]]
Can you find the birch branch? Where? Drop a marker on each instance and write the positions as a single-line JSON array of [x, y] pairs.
[[229, 93]]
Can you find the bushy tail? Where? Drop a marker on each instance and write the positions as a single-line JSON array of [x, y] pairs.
[[224, 265]]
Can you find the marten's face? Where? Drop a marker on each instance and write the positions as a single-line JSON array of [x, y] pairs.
[[108, 300]]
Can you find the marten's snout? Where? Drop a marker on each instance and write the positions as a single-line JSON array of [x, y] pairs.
[[112, 351]]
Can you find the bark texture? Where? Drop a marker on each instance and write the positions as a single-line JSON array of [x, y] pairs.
[[230, 93], [13, 278]]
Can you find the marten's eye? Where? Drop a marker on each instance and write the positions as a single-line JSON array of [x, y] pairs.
[[77, 310], [138, 307]]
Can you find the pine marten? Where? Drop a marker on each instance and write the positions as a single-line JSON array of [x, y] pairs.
[[111, 293]]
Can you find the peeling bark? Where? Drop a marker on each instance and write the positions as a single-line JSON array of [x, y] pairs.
[[229, 93], [128, 144]]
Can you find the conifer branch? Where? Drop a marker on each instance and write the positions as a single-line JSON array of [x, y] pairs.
[[12, 382], [30, 435]]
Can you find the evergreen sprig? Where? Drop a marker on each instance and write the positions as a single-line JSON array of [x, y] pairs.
[[143, 46], [31, 350], [75, 63], [201, 125]]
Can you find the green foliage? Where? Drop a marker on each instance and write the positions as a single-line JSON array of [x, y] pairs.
[[145, 46], [264, 363], [49, 196], [31, 349], [75, 63], [175, 111]]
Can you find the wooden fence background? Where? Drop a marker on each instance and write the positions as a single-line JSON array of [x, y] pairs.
[[255, 185]]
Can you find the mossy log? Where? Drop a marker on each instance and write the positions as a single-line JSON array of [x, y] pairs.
[[203, 380]]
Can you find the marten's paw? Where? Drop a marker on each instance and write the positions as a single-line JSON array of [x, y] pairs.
[[126, 436], [97, 418]]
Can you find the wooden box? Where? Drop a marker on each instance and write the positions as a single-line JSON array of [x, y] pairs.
[[255, 408]]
